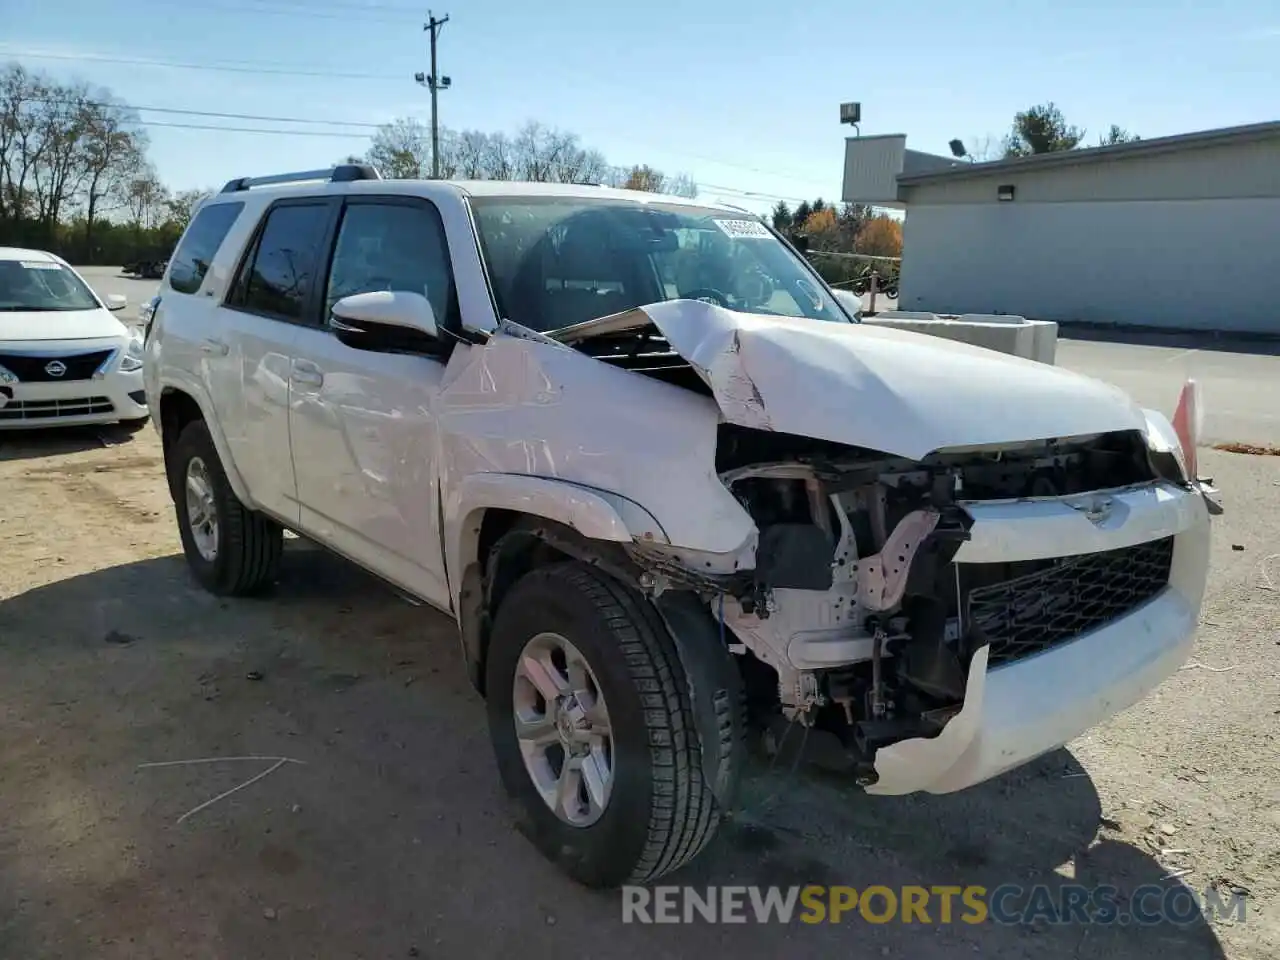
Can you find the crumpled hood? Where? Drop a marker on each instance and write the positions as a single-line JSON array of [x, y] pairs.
[[28, 325], [900, 393]]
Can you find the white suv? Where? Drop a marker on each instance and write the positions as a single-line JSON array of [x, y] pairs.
[[669, 490]]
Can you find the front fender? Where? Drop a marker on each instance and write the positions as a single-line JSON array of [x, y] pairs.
[[176, 380], [595, 514]]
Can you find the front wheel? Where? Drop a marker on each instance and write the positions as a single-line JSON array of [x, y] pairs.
[[231, 550], [593, 728]]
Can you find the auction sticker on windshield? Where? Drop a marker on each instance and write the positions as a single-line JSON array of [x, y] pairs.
[[39, 265], [743, 229]]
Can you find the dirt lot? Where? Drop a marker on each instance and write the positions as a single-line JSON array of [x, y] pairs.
[[390, 838]]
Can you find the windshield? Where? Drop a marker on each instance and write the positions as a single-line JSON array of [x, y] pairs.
[[558, 261], [42, 285]]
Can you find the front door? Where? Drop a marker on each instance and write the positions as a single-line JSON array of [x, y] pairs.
[[249, 352], [362, 422]]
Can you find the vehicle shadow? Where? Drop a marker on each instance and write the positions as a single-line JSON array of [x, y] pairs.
[[58, 441], [391, 836]]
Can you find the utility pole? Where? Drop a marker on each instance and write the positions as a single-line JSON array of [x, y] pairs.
[[435, 83]]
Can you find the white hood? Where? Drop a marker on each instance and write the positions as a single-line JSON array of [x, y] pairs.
[[32, 325], [901, 393]]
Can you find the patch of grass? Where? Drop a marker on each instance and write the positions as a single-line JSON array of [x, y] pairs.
[[1265, 450]]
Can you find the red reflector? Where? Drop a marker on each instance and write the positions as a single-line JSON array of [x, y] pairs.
[[1185, 425]]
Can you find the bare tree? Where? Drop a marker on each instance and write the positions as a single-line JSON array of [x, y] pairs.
[[471, 152], [682, 185], [1117, 134], [499, 162], [113, 151], [63, 120], [24, 145], [645, 178], [181, 206], [401, 149], [145, 200], [536, 152], [984, 148]]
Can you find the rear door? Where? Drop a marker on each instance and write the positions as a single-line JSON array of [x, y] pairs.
[[275, 292], [363, 422]]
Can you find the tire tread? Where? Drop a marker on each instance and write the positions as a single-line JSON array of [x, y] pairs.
[[251, 545], [684, 813]]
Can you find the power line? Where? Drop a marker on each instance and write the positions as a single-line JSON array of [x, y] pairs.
[[750, 194], [205, 113], [383, 13], [228, 67], [335, 134], [252, 67]]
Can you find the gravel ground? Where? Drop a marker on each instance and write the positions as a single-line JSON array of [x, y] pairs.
[[391, 837]]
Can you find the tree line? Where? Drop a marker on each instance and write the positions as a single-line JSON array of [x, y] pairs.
[[834, 233], [402, 149], [74, 173], [76, 179], [1041, 129]]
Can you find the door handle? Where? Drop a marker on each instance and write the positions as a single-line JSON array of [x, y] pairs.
[[307, 374], [214, 348]]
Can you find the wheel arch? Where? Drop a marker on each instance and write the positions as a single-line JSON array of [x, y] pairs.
[[499, 526], [179, 405]]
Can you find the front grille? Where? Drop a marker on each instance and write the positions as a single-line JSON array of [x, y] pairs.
[[30, 368], [1063, 598], [25, 410]]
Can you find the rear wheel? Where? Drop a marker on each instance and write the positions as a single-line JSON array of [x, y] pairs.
[[593, 728], [232, 551]]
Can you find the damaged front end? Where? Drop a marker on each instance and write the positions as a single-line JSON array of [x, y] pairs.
[[911, 544], [855, 599]]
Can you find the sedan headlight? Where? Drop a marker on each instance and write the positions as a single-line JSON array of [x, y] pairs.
[[6, 377], [132, 360]]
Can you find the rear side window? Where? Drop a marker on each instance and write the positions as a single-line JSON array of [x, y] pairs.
[[278, 277], [199, 245]]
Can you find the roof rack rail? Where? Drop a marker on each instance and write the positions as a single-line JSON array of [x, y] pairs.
[[342, 173]]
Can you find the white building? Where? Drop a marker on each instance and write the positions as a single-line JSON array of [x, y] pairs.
[[1177, 232]]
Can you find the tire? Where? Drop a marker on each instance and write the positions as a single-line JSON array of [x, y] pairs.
[[248, 546], [661, 810]]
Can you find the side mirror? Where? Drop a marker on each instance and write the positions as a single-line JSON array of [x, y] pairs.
[[115, 302], [800, 242], [384, 319]]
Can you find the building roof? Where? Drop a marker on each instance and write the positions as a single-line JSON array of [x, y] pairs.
[[1064, 158]]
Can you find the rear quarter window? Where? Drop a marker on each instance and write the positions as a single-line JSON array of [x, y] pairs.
[[200, 244]]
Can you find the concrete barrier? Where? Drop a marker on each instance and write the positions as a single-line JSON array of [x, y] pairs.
[[1018, 336]]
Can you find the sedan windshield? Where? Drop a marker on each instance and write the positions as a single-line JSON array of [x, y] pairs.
[[558, 261], [42, 286]]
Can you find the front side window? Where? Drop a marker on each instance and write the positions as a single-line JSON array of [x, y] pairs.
[[558, 261], [42, 286], [278, 280], [391, 246], [200, 244]]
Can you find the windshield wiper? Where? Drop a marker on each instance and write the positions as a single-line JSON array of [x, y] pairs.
[[20, 309]]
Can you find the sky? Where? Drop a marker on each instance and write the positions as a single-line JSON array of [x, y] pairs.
[[743, 96]]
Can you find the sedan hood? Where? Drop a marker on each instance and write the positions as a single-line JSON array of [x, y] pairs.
[[900, 393], [28, 325]]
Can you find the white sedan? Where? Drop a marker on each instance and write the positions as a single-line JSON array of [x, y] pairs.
[[65, 360]]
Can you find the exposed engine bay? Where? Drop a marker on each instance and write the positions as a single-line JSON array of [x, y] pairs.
[[860, 622]]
